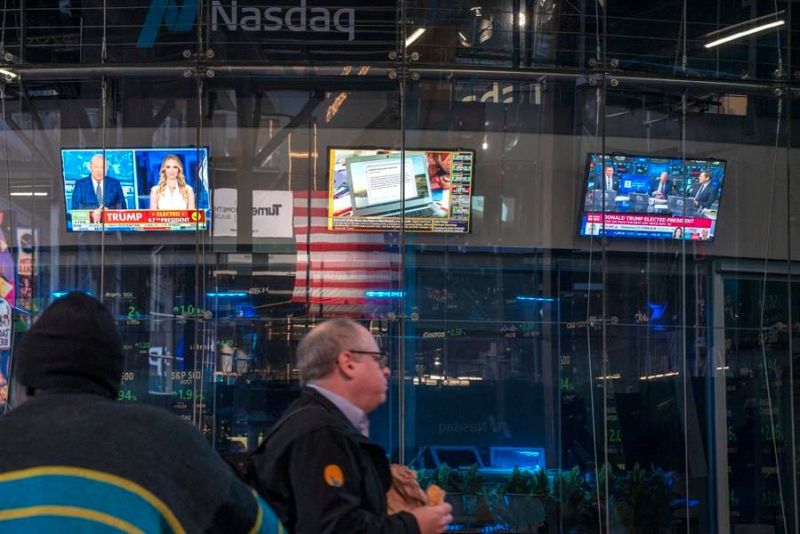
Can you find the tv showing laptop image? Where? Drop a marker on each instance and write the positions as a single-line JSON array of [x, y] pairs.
[[136, 189], [649, 197], [417, 190]]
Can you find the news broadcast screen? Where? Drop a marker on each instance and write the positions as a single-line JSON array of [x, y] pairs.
[[650, 197], [136, 189], [366, 191]]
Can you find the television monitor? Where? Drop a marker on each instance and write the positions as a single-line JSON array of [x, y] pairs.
[[366, 192], [648, 197], [129, 186]]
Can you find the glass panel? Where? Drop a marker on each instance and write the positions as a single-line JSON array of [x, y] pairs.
[[482, 343], [722, 40], [80, 225], [93, 31], [302, 33], [508, 33], [589, 383], [281, 178]]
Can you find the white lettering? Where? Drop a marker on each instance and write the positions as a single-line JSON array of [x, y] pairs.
[[350, 26], [123, 216], [251, 19], [295, 19], [272, 16], [218, 10], [432, 334], [320, 22], [301, 26], [493, 95]]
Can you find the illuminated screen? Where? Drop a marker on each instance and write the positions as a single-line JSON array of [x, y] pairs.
[[366, 191], [648, 197], [130, 193]]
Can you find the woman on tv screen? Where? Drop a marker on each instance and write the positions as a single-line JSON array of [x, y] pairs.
[[172, 192]]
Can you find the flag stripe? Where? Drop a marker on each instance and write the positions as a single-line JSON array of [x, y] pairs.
[[339, 247], [333, 270], [333, 284]]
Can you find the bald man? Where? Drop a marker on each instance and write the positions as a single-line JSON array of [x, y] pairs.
[[98, 190], [317, 467]]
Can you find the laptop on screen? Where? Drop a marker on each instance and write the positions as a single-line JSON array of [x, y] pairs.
[[375, 186]]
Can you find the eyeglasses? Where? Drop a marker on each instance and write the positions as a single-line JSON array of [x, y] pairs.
[[382, 357]]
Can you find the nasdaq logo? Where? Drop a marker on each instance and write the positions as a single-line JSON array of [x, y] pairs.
[[231, 16], [303, 18], [177, 19]]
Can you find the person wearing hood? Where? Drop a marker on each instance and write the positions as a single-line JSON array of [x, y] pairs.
[[73, 459]]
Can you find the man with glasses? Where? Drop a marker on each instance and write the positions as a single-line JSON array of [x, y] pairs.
[[317, 467]]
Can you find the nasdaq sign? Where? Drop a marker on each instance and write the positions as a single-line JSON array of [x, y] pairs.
[[231, 16], [178, 19]]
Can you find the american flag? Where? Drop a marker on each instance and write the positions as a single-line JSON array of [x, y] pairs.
[[335, 269]]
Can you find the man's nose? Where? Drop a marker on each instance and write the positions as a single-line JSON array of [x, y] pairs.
[[387, 371]]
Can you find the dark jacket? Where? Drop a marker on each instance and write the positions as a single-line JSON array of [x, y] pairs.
[[706, 198], [85, 197], [655, 187], [320, 475], [95, 462]]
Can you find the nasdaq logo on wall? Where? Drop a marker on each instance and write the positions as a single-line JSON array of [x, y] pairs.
[[275, 19], [304, 20], [175, 18]]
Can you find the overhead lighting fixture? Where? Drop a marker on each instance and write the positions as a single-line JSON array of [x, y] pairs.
[[535, 299], [769, 22], [8, 74], [480, 29], [227, 294], [384, 294], [414, 36], [28, 193]]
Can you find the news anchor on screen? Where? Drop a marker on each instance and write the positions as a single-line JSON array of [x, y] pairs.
[[704, 193], [662, 186], [98, 190]]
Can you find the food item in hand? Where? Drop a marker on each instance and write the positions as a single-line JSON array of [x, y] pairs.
[[435, 495]]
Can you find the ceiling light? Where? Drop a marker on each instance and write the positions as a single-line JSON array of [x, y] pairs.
[[743, 33], [414, 36], [28, 193]]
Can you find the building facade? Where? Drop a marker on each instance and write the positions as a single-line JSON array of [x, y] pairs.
[[634, 338]]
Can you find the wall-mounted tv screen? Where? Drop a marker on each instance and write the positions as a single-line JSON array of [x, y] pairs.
[[136, 189], [651, 197], [366, 191]]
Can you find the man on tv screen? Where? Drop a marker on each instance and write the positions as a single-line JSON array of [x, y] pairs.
[[612, 181], [98, 190], [662, 186], [704, 193]]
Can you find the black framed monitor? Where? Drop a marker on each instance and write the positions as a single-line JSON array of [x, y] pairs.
[[136, 189], [650, 197], [366, 191]]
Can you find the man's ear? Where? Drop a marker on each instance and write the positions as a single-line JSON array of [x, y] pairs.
[[346, 364]]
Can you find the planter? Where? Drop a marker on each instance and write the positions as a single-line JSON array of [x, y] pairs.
[[471, 510], [521, 513]]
